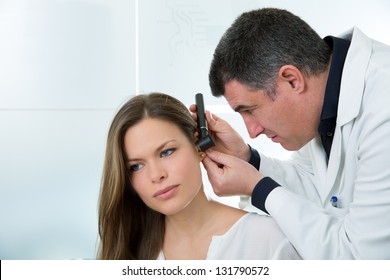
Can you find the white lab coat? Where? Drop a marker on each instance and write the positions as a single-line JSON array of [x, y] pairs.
[[358, 172]]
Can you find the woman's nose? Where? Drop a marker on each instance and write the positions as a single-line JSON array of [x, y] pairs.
[[157, 172]]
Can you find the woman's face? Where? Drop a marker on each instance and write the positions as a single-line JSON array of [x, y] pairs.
[[164, 165]]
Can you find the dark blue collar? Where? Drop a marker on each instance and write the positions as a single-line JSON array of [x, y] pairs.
[[332, 91]]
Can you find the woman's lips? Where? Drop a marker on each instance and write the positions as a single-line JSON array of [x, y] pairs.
[[166, 193]]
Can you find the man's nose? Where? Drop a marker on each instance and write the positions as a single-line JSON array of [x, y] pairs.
[[253, 127]]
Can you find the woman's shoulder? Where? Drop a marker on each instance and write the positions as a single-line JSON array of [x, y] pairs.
[[253, 236], [225, 218], [247, 216], [254, 226], [260, 219], [238, 222]]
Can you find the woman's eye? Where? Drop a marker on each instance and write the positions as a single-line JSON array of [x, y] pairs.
[[136, 167], [167, 152]]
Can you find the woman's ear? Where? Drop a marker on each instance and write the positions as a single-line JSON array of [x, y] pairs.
[[202, 155], [196, 140], [196, 136]]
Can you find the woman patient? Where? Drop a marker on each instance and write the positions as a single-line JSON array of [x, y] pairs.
[[152, 204]]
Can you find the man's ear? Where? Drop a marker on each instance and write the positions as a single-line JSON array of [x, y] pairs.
[[291, 76]]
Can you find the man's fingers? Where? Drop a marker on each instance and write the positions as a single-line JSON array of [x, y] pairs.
[[218, 157], [211, 166], [193, 108]]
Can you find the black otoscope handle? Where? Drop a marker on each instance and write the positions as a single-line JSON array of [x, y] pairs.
[[205, 140]]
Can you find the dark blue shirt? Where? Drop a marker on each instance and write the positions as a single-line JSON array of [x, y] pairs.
[[331, 99]]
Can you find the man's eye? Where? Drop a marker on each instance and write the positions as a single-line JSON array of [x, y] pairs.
[[248, 112], [167, 152], [136, 167]]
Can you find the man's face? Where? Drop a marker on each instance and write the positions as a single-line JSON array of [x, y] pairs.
[[287, 119]]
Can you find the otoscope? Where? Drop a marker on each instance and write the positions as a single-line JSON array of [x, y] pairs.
[[205, 140]]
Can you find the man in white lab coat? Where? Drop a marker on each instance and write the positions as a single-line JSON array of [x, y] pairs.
[[329, 101]]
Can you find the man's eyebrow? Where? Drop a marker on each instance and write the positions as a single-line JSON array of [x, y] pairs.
[[159, 148], [241, 108]]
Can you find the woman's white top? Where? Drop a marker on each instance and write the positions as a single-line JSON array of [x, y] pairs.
[[252, 237]]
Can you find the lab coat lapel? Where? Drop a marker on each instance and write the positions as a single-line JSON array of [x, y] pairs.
[[351, 92], [335, 160]]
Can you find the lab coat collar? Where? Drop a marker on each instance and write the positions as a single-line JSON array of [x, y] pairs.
[[353, 78]]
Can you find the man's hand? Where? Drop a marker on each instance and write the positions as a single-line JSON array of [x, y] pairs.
[[229, 175], [226, 139]]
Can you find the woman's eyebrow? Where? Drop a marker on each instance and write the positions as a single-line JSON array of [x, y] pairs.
[[158, 149]]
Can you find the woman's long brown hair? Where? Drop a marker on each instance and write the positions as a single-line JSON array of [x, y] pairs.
[[128, 229]]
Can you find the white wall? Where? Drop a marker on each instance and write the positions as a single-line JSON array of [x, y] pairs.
[[65, 68]]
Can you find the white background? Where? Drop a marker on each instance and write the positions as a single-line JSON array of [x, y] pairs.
[[66, 66]]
